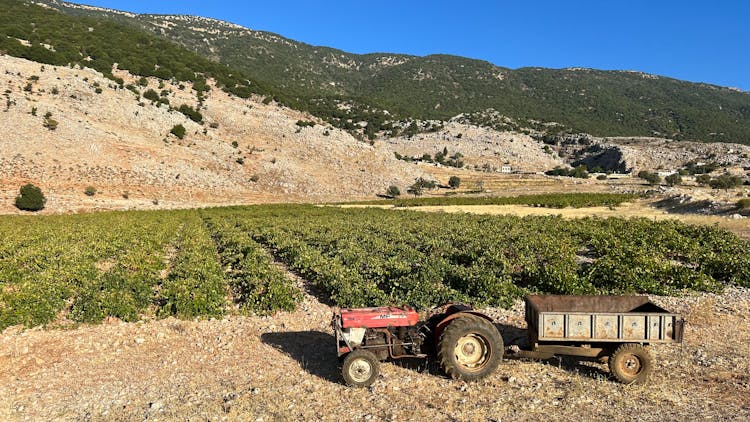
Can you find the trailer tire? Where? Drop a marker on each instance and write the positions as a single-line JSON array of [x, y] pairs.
[[470, 348], [631, 363], [360, 368]]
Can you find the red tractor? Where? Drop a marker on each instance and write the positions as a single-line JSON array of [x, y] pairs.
[[466, 343]]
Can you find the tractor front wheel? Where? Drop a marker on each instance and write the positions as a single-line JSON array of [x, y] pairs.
[[360, 369], [470, 348]]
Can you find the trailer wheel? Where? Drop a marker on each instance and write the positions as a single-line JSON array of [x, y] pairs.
[[470, 348], [360, 368], [631, 364]]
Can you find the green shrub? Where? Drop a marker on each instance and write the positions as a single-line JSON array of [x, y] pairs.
[[703, 179], [393, 191], [426, 184], [49, 122], [151, 95], [725, 181], [90, 191], [673, 179], [651, 178], [133, 89], [178, 131], [191, 113], [415, 189], [743, 203], [30, 198], [580, 172], [454, 182], [305, 123], [420, 184]]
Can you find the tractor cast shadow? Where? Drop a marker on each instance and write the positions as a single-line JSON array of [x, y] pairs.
[[315, 351], [516, 336]]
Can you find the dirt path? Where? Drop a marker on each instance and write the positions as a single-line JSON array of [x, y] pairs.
[[285, 368]]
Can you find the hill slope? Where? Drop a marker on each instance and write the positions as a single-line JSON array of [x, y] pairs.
[[107, 137], [603, 103]]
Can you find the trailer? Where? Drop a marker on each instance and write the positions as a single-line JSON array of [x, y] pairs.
[[611, 329]]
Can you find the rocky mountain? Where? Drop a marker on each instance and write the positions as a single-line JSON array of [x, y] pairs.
[[378, 88], [66, 129], [91, 100]]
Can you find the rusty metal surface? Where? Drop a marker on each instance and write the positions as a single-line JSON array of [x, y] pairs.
[[549, 351], [600, 319], [591, 304]]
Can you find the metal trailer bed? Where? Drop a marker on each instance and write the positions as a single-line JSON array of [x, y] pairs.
[[613, 329]]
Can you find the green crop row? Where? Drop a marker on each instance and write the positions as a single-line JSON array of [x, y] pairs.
[[553, 200], [257, 285], [49, 263], [372, 256], [196, 285], [199, 263], [124, 287]]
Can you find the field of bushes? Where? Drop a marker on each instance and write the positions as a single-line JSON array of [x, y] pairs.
[[201, 263], [551, 200]]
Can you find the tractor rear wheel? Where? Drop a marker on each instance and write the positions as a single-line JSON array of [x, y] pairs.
[[631, 363], [360, 369], [470, 348]]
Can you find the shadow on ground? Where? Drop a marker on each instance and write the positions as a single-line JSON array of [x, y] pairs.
[[315, 351], [515, 336]]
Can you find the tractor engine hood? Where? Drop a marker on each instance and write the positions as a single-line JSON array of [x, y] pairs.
[[378, 317]]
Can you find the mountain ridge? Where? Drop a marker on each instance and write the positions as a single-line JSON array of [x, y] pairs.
[[383, 89], [440, 86], [237, 26]]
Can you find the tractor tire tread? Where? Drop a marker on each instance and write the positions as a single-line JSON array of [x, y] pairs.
[[460, 327], [645, 362]]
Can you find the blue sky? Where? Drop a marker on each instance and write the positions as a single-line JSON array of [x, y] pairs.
[[692, 40]]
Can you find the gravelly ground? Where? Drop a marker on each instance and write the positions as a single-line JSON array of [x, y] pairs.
[[285, 368]]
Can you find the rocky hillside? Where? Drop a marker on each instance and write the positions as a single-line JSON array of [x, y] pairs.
[[658, 154], [383, 86], [479, 148], [84, 109], [69, 128]]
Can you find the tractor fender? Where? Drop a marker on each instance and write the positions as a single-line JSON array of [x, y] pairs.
[[445, 321]]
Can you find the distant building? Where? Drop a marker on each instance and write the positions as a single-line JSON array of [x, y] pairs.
[[665, 173], [506, 169]]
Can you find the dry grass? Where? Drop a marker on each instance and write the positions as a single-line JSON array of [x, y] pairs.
[[638, 209]]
